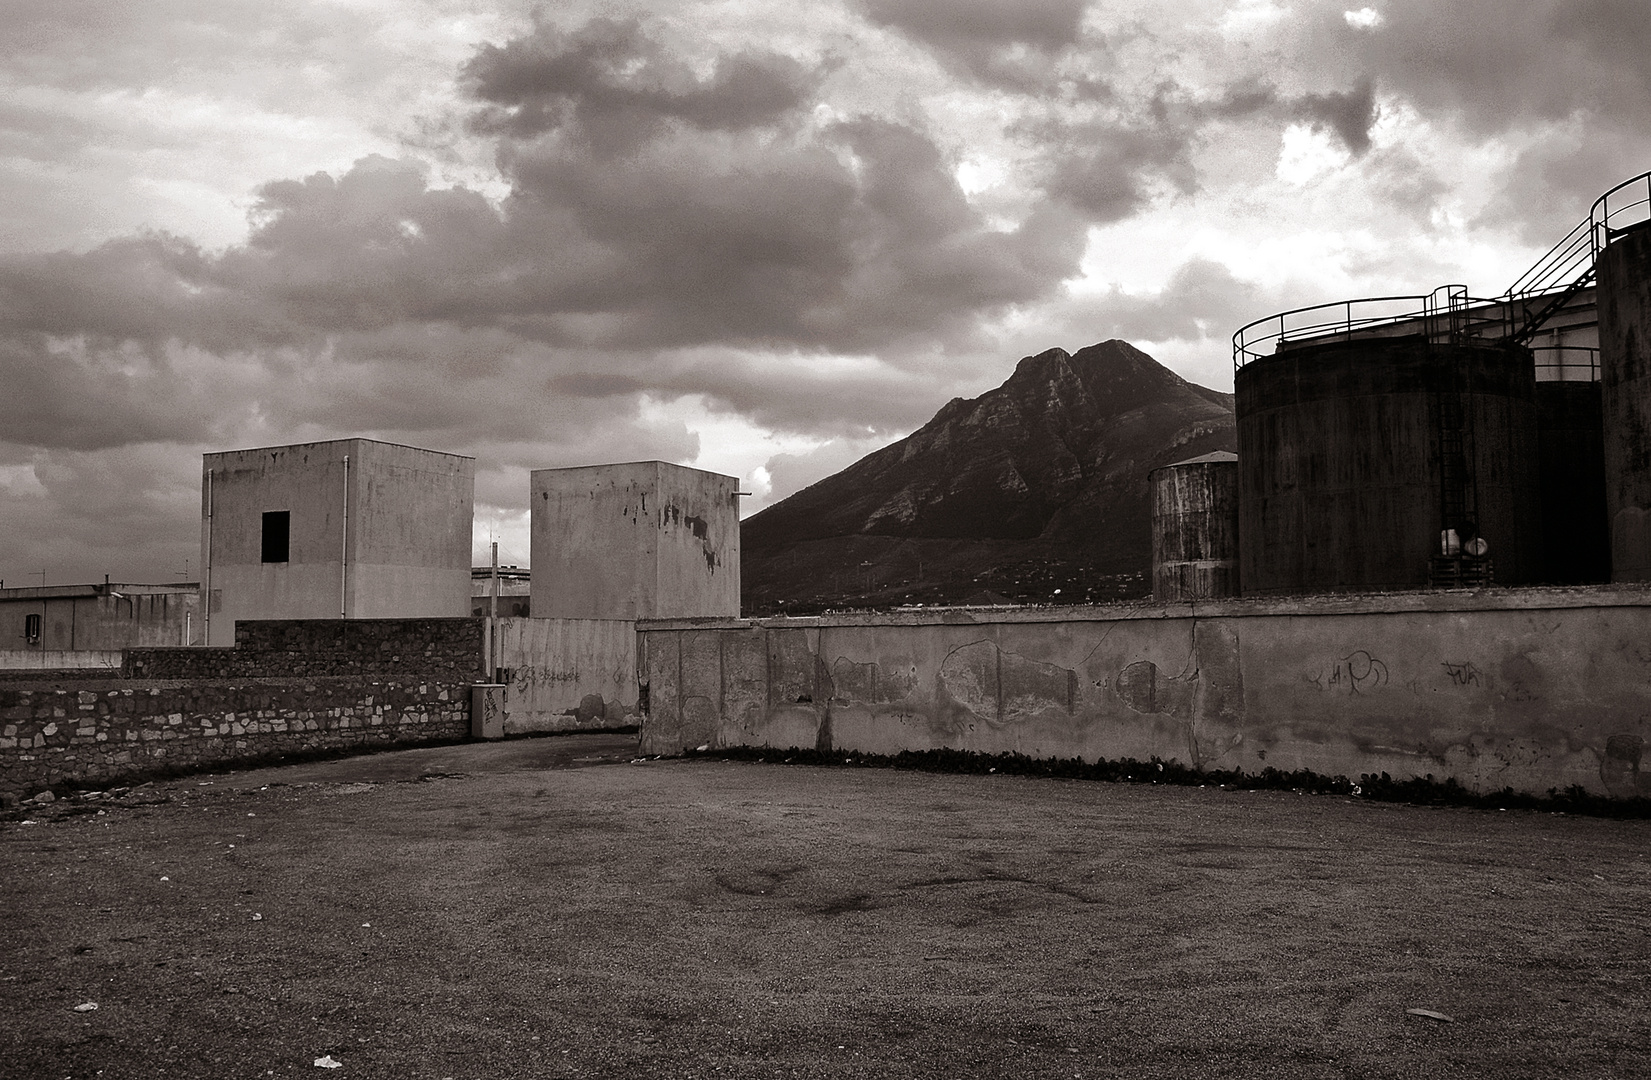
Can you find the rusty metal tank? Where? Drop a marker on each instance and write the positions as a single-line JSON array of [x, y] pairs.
[[1195, 528], [1356, 452]]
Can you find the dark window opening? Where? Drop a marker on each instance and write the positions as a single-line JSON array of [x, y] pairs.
[[277, 534], [31, 628]]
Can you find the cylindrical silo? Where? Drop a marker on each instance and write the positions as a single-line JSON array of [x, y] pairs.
[[1623, 278], [1355, 454], [1195, 528]]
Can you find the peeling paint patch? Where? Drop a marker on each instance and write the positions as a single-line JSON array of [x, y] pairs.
[[1004, 687], [869, 684]]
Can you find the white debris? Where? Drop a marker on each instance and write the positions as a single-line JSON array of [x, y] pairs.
[[89, 1006], [327, 1062]]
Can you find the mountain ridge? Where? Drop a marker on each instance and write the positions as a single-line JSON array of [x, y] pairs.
[[1037, 481]]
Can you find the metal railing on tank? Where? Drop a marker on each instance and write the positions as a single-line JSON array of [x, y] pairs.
[[1566, 363], [1448, 313], [1618, 210], [1565, 262]]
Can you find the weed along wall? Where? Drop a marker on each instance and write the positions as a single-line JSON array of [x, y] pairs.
[[1530, 689], [287, 687]]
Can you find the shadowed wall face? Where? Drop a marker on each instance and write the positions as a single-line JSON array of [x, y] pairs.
[[1342, 467], [1624, 275], [1576, 536]]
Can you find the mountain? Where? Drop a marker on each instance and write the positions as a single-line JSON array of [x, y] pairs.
[[1037, 486]]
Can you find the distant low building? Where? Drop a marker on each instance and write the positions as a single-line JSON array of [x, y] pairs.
[[515, 591], [113, 615]]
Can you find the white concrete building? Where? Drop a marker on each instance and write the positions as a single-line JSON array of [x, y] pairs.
[[351, 528], [642, 540]]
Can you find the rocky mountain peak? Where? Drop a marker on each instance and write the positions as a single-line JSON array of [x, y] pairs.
[[1052, 463]]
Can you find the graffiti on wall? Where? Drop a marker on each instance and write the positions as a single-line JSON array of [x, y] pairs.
[[1463, 674], [1356, 673]]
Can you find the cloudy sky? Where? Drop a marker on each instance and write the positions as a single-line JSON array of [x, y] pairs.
[[759, 238]]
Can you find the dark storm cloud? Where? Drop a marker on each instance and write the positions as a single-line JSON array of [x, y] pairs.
[[615, 85], [1202, 299], [1348, 113], [1500, 69], [1110, 170]]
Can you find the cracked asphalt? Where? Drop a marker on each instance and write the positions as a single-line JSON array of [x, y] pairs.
[[547, 908]]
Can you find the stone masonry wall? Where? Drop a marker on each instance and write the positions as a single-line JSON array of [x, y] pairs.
[[94, 736], [302, 648], [288, 687]]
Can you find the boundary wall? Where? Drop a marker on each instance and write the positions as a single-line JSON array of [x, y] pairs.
[[1532, 689], [300, 686], [568, 674]]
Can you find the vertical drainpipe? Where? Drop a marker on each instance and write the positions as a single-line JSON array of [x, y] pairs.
[[344, 549], [206, 606], [493, 621]]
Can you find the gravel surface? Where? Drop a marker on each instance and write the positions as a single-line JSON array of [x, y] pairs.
[[483, 912]]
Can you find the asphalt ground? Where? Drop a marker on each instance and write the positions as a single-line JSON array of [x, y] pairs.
[[546, 908]]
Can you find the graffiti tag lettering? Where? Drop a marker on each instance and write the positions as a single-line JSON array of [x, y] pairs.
[[1463, 674], [1356, 673]]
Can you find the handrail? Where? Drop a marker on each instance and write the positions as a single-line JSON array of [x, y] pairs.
[[1558, 275], [1606, 221], [1251, 341], [1555, 359], [1560, 266]]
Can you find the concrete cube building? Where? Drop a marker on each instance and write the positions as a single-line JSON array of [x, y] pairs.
[[351, 528], [643, 540]]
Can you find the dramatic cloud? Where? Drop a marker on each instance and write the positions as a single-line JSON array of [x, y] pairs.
[[753, 237], [1012, 45]]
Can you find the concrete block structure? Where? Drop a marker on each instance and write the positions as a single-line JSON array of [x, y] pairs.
[[351, 528], [642, 540], [77, 618]]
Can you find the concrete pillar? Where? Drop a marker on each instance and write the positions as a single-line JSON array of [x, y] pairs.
[[1623, 273]]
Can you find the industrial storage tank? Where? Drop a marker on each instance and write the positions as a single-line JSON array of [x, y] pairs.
[[1358, 447], [1195, 528], [1622, 241]]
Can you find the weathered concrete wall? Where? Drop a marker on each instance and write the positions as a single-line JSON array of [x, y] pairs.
[[406, 552], [60, 659], [287, 687], [1531, 689], [1624, 277], [568, 674], [116, 616], [640, 540]]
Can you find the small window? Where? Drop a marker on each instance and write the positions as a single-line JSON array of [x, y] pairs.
[[277, 534], [31, 628]]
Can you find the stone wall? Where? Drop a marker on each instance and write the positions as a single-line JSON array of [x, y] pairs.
[[433, 648], [98, 735], [289, 687], [1525, 688]]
